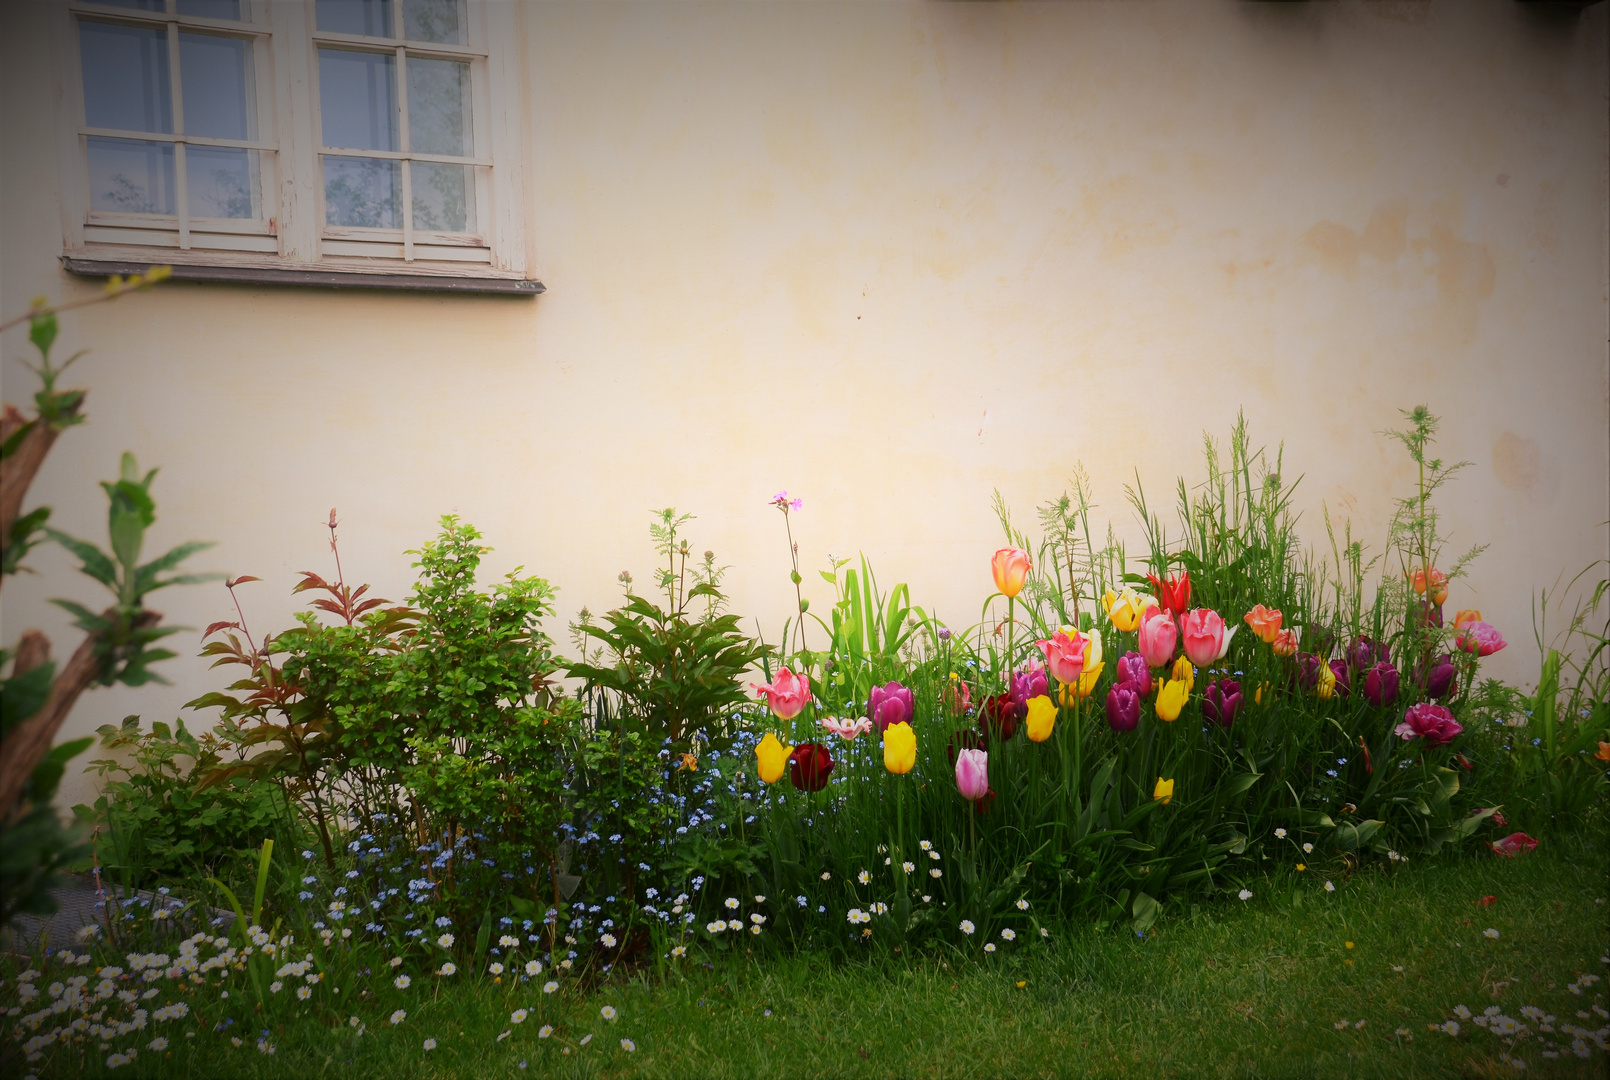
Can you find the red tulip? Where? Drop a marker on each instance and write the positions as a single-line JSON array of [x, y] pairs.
[[1514, 844], [809, 765], [1001, 714], [1173, 593]]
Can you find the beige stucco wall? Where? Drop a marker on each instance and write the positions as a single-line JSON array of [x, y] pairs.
[[890, 257]]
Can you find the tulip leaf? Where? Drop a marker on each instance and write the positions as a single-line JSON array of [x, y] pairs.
[[1145, 909], [1349, 837], [1240, 783]]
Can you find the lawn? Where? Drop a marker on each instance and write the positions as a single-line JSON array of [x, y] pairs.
[[1293, 981]]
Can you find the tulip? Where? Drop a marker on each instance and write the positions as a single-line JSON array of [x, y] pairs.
[[1042, 717], [1157, 637], [1465, 615], [787, 694], [965, 739], [899, 748], [1026, 684], [1083, 689], [1000, 716], [1171, 699], [1308, 668], [1123, 707], [1324, 682], [846, 729], [1439, 584], [1125, 610], [1440, 682], [958, 695], [1514, 844], [1132, 672], [1603, 752], [1174, 593], [889, 704], [1221, 700], [1365, 653], [1381, 684], [1285, 643], [773, 757], [1010, 566], [1093, 652], [1164, 791], [809, 765], [972, 774], [1433, 723], [1257, 695], [1480, 638], [1265, 622], [1184, 672], [1341, 682], [982, 805], [1064, 655], [1205, 641]]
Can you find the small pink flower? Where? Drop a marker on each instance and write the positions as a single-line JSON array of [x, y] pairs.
[[846, 729], [1433, 723], [1480, 638], [787, 694]]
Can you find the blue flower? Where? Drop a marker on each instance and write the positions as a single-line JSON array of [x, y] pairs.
[[444, 921], [304, 895], [310, 879]]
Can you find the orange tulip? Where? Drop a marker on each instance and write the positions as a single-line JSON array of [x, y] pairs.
[[1464, 616], [1285, 643], [1439, 584], [1010, 566], [1604, 752], [1265, 622]]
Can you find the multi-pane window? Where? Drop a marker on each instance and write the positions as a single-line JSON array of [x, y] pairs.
[[172, 121], [353, 135], [397, 108]]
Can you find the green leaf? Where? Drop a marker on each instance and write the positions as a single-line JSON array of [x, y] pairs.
[[1145, 910], [42, 331], [97, 564], [48, 773], [23, 695], [14, 440]]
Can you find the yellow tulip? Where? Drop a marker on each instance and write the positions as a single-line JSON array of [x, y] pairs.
[[773, 757], [1257, 695], [1327, 683], [899, 748], [1087, 681], [1092, 640], [1042, 717], [1171, 699], [1185, 673], [1125, 608], [1164, 791]]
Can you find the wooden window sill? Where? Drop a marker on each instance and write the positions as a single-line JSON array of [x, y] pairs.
[[451, 281]]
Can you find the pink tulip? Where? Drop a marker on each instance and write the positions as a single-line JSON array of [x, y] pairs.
[[972, 773], [1480, 638], [1433, 723], [846, 729], [787, 694], [889, 704], [1065, 656], [1514, 844], [1205, 639], [1157, 637]]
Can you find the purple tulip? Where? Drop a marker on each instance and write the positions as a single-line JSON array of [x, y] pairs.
[[1381, 684], [1365, 653], [1028, 684], [1123, 708], [889, 704], [1440, 681], [1344, 685], [1221, 700], [1308, 666], [1133, 672]]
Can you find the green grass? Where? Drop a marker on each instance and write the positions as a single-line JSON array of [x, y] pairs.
[[1230, 989]]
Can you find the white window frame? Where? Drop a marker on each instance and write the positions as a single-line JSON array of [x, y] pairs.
[[290, 241]]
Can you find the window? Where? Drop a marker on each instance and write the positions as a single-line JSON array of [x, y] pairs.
[[326, 141]]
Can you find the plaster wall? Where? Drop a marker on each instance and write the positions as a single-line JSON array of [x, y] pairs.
[[890, 257]]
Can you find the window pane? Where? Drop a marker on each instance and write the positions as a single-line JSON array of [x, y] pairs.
[[433, 20], [131, 175], [439, 106], [212, 9], [137, 5], [125, 77], [370, 17], [358, 99], [363, 192], [221, 181], [444, 197], [215, 80]]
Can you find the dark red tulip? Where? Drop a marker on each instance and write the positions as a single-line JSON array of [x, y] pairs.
[[982, 804], [1365, 653], [1344, 684], [1221, 700], [1441, 680], [1123, 708], [1000, 717], [965, 739], [1308, 666], [809, 765], [1381, 684]]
